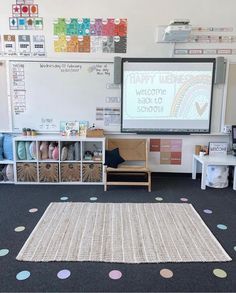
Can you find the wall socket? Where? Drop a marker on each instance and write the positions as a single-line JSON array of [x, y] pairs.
[[227, 128]]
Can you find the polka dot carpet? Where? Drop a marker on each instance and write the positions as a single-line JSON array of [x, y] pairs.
[[4, 252], [64, 198], [19, 229], [33, 210], [216, 207], [93, 198], [222, 227], [115, 275], [63, 274], [23, 275]]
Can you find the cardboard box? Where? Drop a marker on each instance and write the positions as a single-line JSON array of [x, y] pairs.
[[94, 132]]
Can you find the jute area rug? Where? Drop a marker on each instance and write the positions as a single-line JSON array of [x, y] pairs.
[[122, 232]]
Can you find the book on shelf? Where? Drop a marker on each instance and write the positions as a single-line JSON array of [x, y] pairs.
[[69, 127], [83, 126]]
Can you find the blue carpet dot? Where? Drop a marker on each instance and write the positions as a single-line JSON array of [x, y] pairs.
[[221, 227], [4, 252], [23, 275], [63, 274], [64, 198], [207, 211], [235, 248], [93, 198]]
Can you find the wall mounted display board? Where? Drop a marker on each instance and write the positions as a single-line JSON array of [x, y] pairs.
[[45, 93]]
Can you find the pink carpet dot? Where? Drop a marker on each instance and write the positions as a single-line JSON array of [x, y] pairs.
[[34, 210], [166, 273], [115, 275], [184, 199]]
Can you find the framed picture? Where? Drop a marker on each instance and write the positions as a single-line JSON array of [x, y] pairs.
[[218, 148]]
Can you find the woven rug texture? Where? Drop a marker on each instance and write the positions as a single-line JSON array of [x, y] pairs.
[[122, 233]]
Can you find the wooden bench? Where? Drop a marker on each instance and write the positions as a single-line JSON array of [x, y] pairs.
[[134, 171]]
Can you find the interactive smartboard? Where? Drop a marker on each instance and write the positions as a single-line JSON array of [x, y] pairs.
[[45, 93], [230, 117]]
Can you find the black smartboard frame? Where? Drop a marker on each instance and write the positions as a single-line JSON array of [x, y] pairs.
[[164, 130]]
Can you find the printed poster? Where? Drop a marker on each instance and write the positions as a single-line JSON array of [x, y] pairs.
[[109, 115], [9, 45], [24, 47], [85, 35], [38, 48], [19, 94], [170, 150], [25, 16]]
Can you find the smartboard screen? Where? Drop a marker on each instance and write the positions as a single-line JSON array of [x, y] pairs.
[[167, 95]]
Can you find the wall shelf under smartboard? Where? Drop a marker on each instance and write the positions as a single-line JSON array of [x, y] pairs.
[[43, 93]]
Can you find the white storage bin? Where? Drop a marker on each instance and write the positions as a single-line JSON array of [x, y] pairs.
[[217, 176]]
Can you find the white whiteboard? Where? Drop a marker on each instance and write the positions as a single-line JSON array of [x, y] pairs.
[[4, 110], [45, 93]]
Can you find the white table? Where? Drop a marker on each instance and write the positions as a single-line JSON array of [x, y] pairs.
[[206, 161]]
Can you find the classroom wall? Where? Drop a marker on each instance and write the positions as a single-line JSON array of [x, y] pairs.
[[143, 19]]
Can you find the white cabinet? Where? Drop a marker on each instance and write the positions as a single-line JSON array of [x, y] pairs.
[[55, 159]]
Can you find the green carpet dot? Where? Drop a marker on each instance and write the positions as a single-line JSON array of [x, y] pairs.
[[19, 229], [220, 273], [159, 198], [4, 252]]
